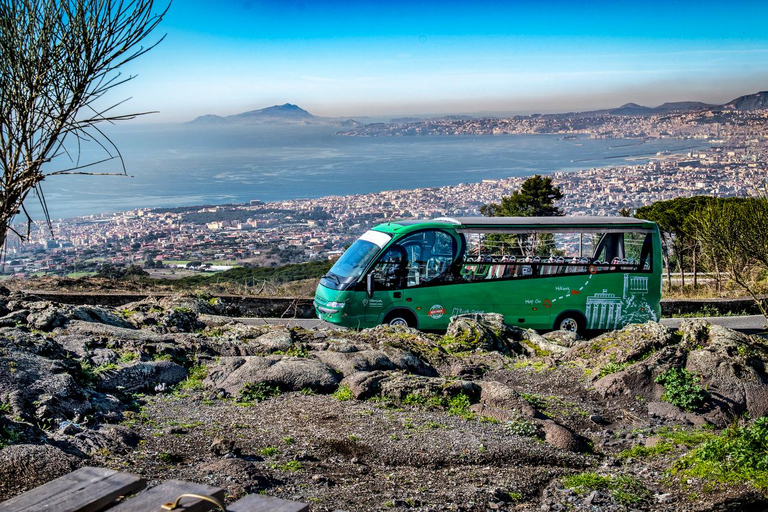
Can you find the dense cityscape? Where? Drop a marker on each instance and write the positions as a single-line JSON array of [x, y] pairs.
[[292, 231]]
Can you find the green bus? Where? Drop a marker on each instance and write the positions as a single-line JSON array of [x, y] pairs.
[[571, 273]]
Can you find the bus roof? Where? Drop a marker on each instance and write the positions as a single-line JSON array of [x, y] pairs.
[[528, 224]]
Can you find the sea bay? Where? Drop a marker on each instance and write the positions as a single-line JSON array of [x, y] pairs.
[[180, 165]]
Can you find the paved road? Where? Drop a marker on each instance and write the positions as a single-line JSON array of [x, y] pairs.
[[748, 324]]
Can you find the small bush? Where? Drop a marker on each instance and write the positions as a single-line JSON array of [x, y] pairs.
[[681, 389]]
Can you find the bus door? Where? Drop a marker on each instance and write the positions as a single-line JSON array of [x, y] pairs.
[[413, 274], [389, 276]]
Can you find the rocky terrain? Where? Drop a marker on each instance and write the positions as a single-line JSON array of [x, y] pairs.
[[485, 417]]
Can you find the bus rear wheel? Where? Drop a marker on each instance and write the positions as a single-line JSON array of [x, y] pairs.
[[571, 321], [400, 317]]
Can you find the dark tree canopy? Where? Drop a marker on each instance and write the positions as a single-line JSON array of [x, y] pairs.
[[58, 59], [536, 198]]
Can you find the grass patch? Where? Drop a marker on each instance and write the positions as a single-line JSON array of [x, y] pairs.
[[624, 489], [642, 452], [681, 388], [612, 368], [291, 465], [738, 455], [689, 438], [294, 351]]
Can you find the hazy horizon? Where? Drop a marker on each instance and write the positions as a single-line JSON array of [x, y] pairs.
[[485, 113], [394, 59]]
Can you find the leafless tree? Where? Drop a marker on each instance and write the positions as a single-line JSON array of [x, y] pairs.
[[58, 59]]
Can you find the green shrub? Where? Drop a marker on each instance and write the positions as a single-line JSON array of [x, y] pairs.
[[194, 380], [520, 426], [256, 392], [459, 406], [343, 394], [8, 436], [415, 399], [105, 368], [681, 389], [269, 451], [294, 350], [128, 357], [291, 465], [739, 454]]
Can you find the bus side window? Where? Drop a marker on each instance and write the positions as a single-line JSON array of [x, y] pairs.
[[429, 255]]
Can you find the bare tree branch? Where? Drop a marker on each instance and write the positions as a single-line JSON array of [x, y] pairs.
[[58, 59]]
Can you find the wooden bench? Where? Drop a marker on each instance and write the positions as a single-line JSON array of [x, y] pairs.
[[92, 489]]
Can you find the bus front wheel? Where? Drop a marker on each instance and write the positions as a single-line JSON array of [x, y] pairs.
[[571, 321], [400, 317]]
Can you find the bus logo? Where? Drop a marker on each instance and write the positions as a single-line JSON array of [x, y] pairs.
[[436, 311]]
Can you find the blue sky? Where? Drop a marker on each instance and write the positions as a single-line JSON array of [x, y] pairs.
[[390, 58]]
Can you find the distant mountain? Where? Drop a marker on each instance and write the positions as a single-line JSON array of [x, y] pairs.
[[277, 114], [749, 102], [631, 109]]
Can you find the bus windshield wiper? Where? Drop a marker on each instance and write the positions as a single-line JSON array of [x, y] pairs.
[[332, 276]]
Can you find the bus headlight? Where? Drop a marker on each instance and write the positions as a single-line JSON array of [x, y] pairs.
[[338, 305]]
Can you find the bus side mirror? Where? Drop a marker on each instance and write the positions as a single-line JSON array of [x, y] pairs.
[[369, 285]]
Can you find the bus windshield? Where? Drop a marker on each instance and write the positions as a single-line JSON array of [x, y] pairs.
[[354, 261]]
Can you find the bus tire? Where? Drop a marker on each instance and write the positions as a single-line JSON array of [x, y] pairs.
[[400, 317], [571, 321]]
